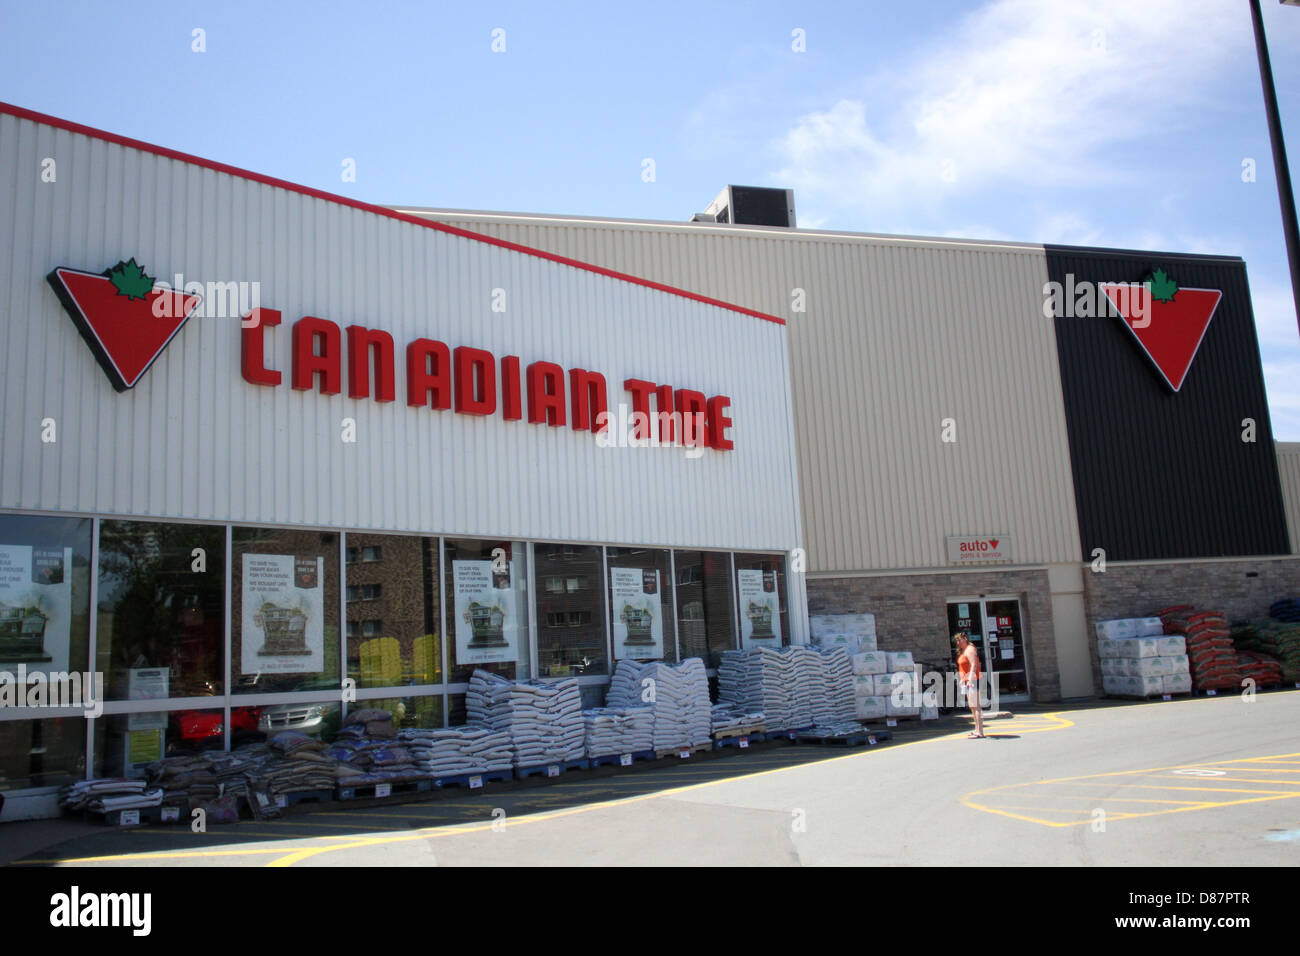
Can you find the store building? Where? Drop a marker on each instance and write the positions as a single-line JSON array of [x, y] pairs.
[[270, 488], [983, 441], [354, 452]]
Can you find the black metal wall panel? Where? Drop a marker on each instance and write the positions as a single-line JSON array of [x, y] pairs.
[[1161, 474]]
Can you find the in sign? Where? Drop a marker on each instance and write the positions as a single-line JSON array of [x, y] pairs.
[[744, 743]]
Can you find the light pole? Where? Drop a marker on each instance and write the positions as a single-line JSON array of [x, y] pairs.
[[1281, 170]]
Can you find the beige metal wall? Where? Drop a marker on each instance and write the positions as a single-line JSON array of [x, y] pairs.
[[1288, 464], [898, 334]]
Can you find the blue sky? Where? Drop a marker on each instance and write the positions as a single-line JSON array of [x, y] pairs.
[[1113, 122]]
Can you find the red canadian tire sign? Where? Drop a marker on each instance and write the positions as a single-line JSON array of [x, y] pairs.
[[1168, 322], [125, 320]]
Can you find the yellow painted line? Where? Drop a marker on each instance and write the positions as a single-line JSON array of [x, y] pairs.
[[169, 855], [1182, 776], [1122, 816], [335, 826], [1110, 798], [1091, 779], [1140, 786], [1262, 770]]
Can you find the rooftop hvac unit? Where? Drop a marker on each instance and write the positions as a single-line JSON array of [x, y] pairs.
[[751, 206]]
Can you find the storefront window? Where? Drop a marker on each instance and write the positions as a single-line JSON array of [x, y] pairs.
[[393, 615], [704, 605], [127, 743], [42, 753], [44, 593], [161, 609], [571, 636], [641, 604], [284, 627], [764, 610], [485, 585]]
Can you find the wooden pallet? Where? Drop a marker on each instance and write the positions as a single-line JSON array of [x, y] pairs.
[[617, 759], [840, 740], [466, 780], [553, 769], [689, 751], [753, 730], [369, 791]]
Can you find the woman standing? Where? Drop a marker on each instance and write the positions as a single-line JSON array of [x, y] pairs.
[[968, 672]]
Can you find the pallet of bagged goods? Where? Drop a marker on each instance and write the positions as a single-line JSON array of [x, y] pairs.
[[1273, 641], [1209, 646], [1139, 660]]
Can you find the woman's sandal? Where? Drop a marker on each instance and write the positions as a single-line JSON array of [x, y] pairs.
[[974, 736]]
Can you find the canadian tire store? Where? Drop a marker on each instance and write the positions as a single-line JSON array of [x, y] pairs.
[[355, 452], [267, 454], [989, 433]]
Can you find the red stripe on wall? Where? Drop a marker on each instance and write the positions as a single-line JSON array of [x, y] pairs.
[[71, 127]]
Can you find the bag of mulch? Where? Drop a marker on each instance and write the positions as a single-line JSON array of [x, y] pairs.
[[224, 809], [260, 801]]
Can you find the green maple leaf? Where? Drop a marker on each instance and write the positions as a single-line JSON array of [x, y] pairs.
[[1162, 287], [129, 279]]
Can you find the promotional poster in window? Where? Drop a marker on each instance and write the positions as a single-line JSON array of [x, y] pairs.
[[35, 608], [638, 613], [760, 610], [283, 614], [487, 625]]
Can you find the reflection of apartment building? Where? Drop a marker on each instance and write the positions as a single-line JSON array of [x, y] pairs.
[[570, 609], [391, 605]]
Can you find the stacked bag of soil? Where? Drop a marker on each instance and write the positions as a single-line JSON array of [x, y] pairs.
[[1272, 639], [678, 695], [618, 730], [1286, 610], [1265, 671], [299, 764], [369, 751], [543, 718], [458, 751], [1209, 646]]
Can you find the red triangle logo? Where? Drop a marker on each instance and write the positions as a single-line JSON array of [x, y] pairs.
[[126, 334], [993, 542], [1169, 332]]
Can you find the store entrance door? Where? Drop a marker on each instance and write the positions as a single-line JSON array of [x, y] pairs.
[[995, 628]]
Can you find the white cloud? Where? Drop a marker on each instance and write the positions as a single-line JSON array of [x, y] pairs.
[[1020, 93]]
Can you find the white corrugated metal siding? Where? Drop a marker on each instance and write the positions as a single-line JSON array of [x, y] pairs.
[[898, 335], [195, 440], [1288, 465]]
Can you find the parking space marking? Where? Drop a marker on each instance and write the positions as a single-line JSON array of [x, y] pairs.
[[991, 800]]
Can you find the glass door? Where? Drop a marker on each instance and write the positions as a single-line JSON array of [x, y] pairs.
[[994, 627], [1006, 648]]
